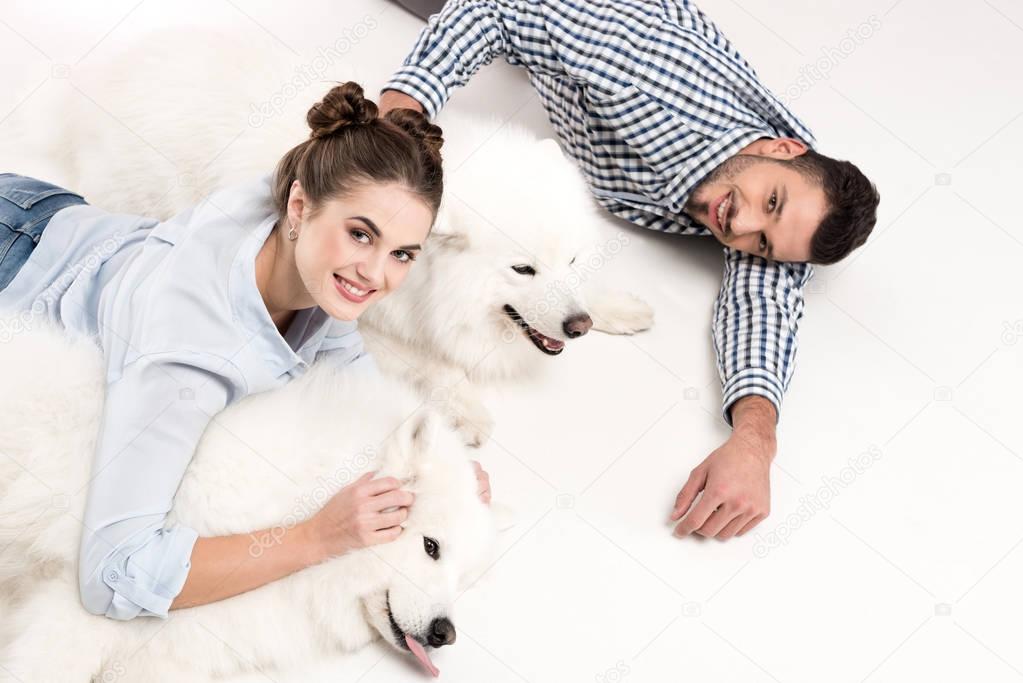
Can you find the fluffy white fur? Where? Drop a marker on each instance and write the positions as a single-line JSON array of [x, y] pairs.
[[155, 128], [270, 460]]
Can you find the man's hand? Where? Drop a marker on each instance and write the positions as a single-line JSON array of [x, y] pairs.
[[392, 99], [735, 478]]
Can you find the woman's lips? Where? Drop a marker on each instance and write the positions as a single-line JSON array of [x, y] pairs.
[[351, 296]]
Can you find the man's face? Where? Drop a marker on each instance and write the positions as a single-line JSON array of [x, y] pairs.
[[755, 204]]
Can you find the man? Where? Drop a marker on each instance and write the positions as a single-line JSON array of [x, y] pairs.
[[673, 131]]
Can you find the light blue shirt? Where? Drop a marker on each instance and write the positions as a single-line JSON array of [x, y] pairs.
[[184, 332]]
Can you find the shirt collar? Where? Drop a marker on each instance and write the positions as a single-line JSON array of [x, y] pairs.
[[295, 350]]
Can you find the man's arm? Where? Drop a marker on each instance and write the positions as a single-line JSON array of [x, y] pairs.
[[756, 319], [468, 34]]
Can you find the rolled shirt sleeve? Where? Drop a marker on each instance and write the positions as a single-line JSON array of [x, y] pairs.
[[755, 325], [130, 564], [468, 34]]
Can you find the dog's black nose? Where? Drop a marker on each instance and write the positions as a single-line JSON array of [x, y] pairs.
[[577, 325], [442, 632]]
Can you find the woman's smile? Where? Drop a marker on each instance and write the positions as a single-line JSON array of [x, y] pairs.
[[350, 291]]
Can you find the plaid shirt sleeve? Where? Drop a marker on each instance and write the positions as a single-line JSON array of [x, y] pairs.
[[466, 35], [675, 121], [756, 318]]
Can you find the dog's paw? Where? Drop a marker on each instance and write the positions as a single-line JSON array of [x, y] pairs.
[[475, 430], [474, 423], [619, 312], [504, 515]]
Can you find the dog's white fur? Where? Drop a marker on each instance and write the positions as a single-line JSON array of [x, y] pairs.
[[270, 460], [182, 114]]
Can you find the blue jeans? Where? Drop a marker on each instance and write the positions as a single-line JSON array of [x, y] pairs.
[[26, 206]]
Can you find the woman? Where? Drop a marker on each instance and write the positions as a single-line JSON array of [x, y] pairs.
[[236, 295]]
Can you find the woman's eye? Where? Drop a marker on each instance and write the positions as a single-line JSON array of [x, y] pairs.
[[524, 270], [773, 201], [404, 256], [360, 236], [431, 547], [763, 242]]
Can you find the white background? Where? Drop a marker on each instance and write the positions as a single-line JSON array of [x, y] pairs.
[[911, 349]]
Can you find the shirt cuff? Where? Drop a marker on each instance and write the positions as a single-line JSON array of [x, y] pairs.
[[751, 382], [422, 86], [149, 591]]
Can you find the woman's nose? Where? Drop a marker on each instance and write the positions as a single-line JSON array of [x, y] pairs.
[[371, 270]]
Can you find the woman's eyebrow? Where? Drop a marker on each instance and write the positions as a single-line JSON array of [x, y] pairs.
[[370, 224], [376, 231]]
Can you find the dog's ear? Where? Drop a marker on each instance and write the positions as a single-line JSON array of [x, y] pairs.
[[451, 230], [424, 430], [413, 438], [551, 148]]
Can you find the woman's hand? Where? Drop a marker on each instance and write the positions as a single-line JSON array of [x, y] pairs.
[[482, 482], [364, 513]]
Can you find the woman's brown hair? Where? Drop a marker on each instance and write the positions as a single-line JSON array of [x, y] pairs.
[[350, 145]]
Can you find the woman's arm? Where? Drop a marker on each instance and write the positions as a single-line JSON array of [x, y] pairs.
[[223, 566], [366, 512], [155, 411]]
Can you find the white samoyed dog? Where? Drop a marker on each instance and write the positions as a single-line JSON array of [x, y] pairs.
[[507, 277], [270, 460]]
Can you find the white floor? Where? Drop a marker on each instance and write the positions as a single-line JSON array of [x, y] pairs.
[[910, 351]]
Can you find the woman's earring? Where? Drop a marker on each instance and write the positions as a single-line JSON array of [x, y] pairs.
[[292, 233]]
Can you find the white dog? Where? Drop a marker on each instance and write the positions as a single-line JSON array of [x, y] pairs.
[[270, 460], [506, 278]]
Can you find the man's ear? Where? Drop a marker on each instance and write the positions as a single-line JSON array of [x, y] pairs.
[[779, 148]]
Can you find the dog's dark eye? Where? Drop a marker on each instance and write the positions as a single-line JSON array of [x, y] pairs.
[[524, 270], [572, 261], [431, 547]]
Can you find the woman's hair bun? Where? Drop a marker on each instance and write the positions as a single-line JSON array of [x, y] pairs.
[[345, 105], [419, 127]]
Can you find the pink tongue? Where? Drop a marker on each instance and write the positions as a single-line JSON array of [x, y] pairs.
[[421, 655]]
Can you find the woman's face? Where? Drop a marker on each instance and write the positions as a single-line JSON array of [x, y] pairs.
[[358, 249]]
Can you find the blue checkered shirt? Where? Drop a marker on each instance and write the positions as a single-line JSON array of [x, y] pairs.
[[648, 97]]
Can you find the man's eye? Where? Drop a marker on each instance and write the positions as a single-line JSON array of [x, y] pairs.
[[772, 202], [763, 242]]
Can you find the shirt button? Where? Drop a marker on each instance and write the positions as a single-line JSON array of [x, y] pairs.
[[112, 576]]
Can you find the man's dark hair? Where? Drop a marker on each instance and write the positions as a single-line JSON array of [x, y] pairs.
[[852, 205]]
